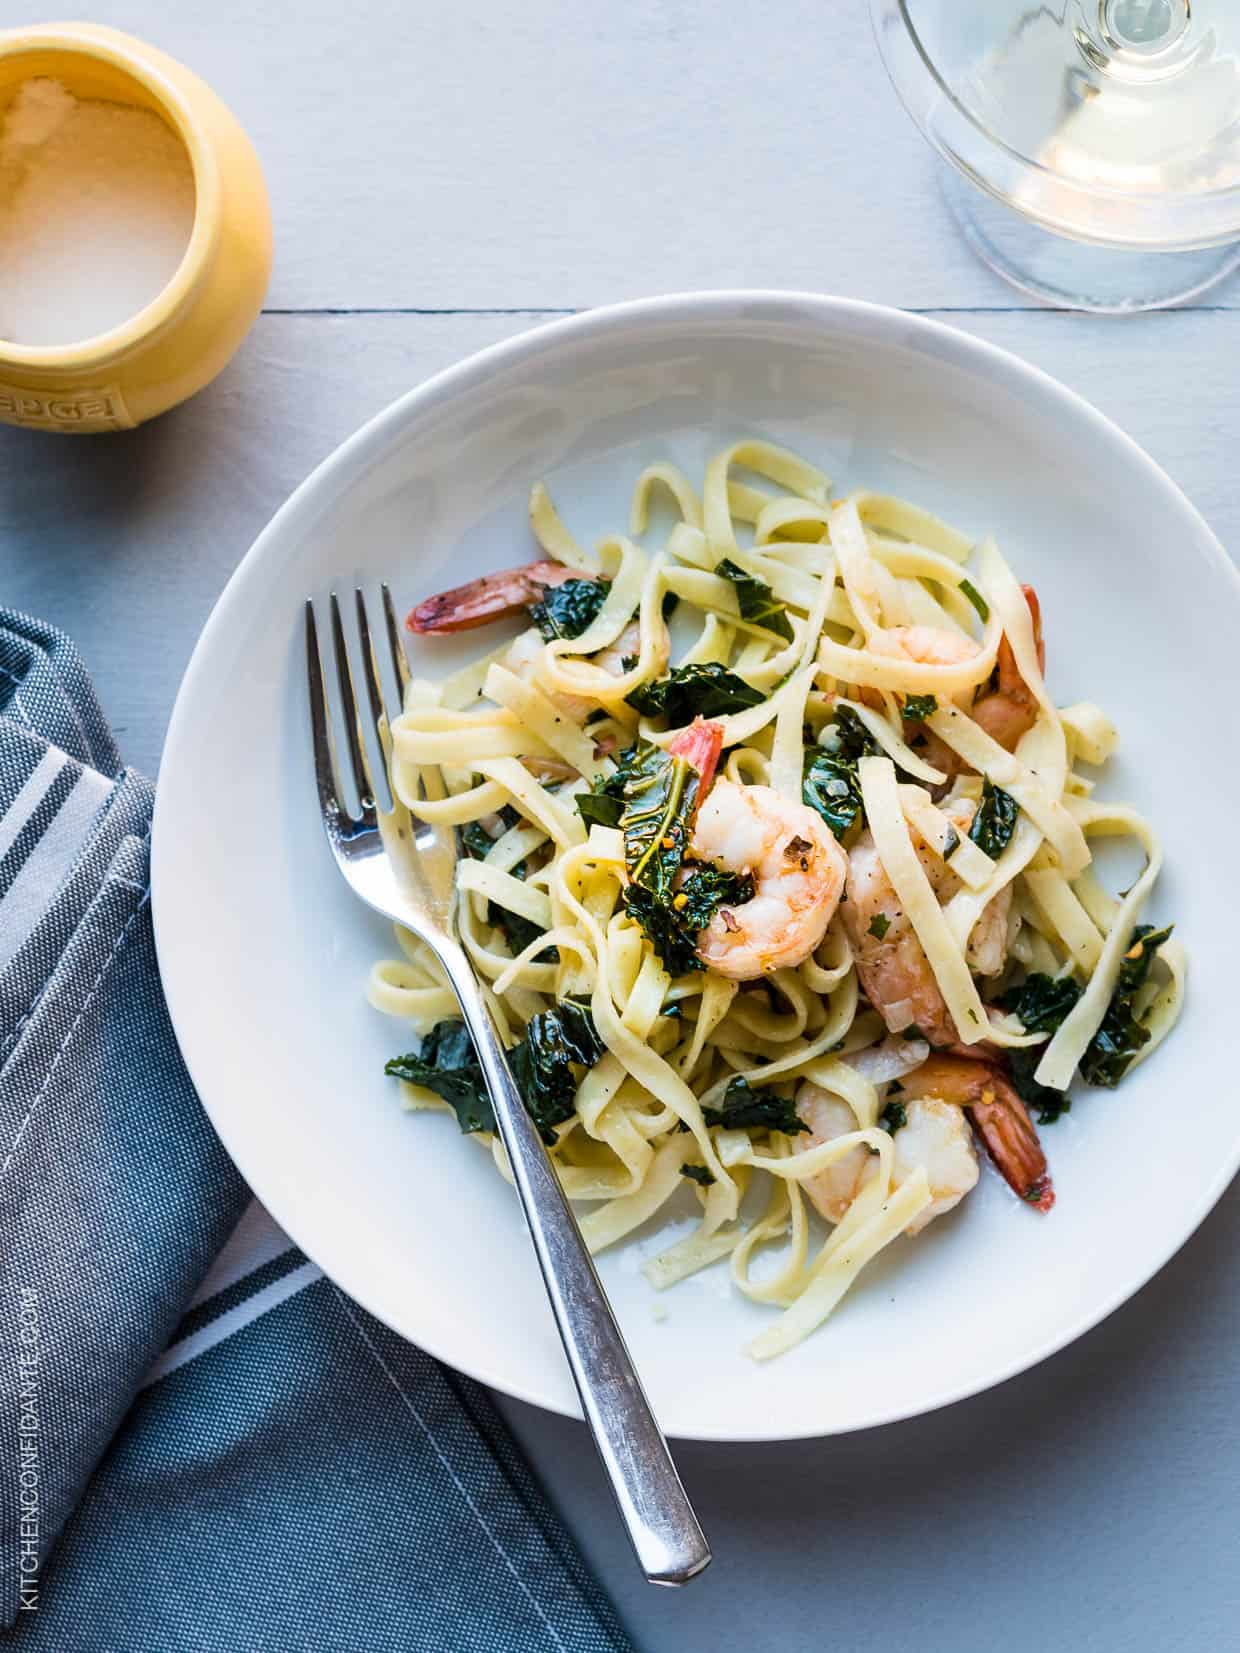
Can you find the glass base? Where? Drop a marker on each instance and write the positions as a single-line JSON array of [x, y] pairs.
[[1075, 274]]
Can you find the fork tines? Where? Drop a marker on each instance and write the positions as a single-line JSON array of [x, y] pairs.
[[364, 769]]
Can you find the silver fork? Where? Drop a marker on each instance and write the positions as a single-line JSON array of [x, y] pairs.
[[670, 1545]]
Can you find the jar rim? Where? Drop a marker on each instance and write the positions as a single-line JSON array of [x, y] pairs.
[[127, 54]]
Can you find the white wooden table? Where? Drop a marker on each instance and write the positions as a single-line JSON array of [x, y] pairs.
[[441, 177]]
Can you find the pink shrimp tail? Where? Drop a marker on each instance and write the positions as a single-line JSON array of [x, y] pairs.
[[490, 597], [701, 743]]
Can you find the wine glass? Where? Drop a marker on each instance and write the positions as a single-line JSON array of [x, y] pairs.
[[1095, 144]]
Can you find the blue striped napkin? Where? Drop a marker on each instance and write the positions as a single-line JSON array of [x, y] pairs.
[[225, 1452]]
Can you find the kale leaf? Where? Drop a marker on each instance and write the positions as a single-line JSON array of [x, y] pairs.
[[477, 842], [830, 784], [745, 1108], [698, 1174], [893, 1118], [517, 931], [569, 609], [673, 927], [1040, 1004], [709, 690], [1122, 1034], [969, 590], [757, 602], [995, 821], [603, 804], [918, 706], [660, 795], [447, 1065], [540, 1063]]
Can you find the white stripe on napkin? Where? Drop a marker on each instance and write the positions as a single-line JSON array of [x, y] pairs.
[[51, 859], [256, 1240], [30, 796], [227, 1325]]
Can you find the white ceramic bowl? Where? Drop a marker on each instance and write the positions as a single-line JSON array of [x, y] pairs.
[[265, 952]]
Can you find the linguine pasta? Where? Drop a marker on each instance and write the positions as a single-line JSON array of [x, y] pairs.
[[940, 961]]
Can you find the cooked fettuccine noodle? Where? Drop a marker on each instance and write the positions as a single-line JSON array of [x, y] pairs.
[[777, 869]]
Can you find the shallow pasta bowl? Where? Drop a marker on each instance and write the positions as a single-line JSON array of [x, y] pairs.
[[265, 955]]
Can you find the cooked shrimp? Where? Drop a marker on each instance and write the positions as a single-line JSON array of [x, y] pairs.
[[1006, 709], [927, 645], [490, 597], [934, 1136], [626, 647], [1009, 710], [798, 871], [525, 656], [892, 967], [701, 743], [999, 1117]]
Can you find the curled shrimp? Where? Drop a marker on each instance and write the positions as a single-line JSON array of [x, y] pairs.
[[1006, 709], [1009, 710], [927, 645], [934, 1137], [892, 966], [490, 597], [798, 871], [999, 1117]]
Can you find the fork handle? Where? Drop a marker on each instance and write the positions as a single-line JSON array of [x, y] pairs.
[[670, 1544]]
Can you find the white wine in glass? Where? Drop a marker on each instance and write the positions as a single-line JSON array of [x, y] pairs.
[[1095, 144]]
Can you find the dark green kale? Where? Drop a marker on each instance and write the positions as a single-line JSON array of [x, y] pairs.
[[995, 821], [541, 1062], [757, 602], [1040, 1004], [698, 1174], [660, 796], [519, 932], [603, 804], [674, 926], [830, 784], [969, 590], [554, 1039], [477, 842], [744, 1108], [893, 1118], [569, 609], [918, 706], [447, 1065], [1122, 1033], [659, 799], [687, 692], [879, 925]]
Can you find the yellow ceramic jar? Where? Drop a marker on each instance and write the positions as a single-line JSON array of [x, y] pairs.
[[185, 335]]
